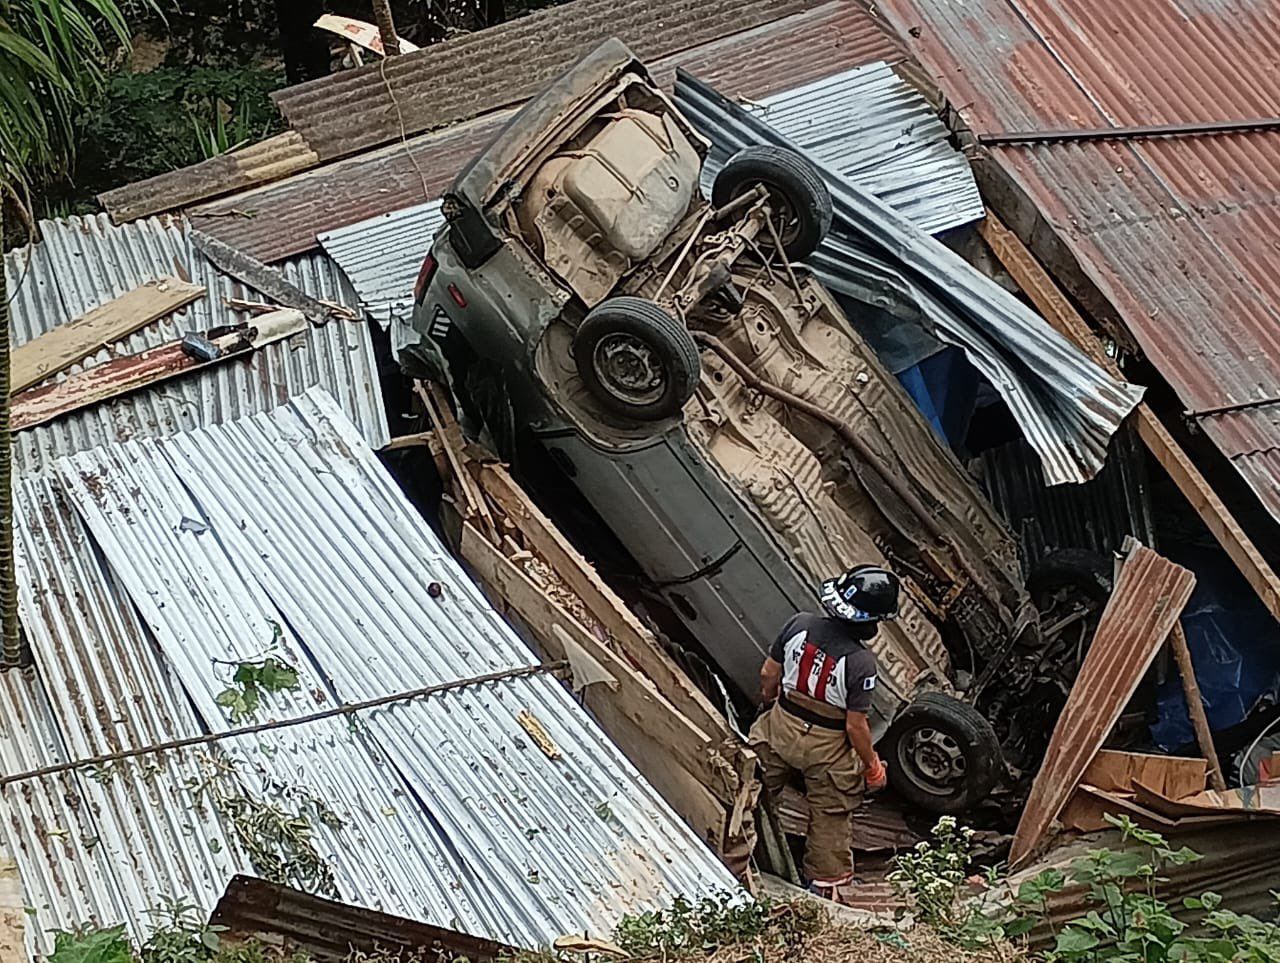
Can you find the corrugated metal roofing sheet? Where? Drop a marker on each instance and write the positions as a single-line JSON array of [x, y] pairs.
[[753, 64], [1067, 407], [1145, 605], [866, 122], [239, 170], [283, 530], [109, 844], [875, 129], [381, 258], [502, 66], [288, 217], [1176, 233], [83, 262]]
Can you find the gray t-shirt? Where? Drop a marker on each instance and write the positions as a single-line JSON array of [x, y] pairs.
[[826, 659]]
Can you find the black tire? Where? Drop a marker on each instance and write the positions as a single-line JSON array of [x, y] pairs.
[[793, 184], [636, 359], [1076, 568], [935, 731]]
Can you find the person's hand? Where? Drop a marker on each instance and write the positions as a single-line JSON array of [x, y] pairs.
[[877, 776]]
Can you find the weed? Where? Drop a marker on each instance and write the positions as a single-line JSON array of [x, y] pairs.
[[726, 920], [1125, 921], [252, 678]]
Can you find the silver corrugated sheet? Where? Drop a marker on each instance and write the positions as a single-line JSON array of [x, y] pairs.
[[875, 129], [83, 262], [381, 257], [866, 122], [109, 844], [1067, 407], [284, 527]]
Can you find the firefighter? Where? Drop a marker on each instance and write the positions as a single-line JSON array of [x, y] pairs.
[[817, 685]]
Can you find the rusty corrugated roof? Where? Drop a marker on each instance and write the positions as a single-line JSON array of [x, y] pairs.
[[484, 71], [1148, 598], [1177, 234], [284, 219], [260, 163]]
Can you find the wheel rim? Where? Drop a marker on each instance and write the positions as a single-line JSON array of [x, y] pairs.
[[784, 218], [629, 369], [933, 761]]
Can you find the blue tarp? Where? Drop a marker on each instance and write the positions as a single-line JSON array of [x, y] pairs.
[[1235, 648], [944, 387]]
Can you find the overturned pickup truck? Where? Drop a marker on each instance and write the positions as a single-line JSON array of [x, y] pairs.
[[704, 393]]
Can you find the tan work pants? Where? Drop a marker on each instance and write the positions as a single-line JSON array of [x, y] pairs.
[[833, 785]]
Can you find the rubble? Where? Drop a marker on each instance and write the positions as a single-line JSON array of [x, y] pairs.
[[563, 767]]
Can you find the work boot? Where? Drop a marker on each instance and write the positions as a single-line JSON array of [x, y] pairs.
[[839, 891]]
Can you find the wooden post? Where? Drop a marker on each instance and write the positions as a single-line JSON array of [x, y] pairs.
[[1195, 705]]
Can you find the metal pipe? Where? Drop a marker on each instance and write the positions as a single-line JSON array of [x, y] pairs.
[[10, 633], [1141, 132], [344, 710]]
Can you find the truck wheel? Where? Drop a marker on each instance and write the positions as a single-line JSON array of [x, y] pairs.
[[636, 359], [943, 756], [797, 194]]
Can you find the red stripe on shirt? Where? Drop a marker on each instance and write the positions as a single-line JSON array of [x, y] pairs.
[[806, 668], [820, 692]]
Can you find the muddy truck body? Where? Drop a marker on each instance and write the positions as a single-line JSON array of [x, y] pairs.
[[706, 395]]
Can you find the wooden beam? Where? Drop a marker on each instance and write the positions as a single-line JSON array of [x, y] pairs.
[[636, 696], [1195, 706], [637, 642], [106, 324], [1048, 298], [130, 373]]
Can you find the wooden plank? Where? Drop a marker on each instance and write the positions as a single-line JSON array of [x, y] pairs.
[[636, 641], [1049, 300], [1148, 598], [1176, 776], [120, 376], [106, 324]]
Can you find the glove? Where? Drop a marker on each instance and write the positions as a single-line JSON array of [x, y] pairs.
[[876, 776]]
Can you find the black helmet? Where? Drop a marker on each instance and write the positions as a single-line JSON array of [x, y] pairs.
[[865, 593]]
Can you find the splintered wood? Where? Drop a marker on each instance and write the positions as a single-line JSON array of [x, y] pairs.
[[538, 734]]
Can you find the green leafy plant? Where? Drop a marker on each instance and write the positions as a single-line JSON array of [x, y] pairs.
[[242, 698], [711, 923], [276, 828], [52, 61], [1125, 921], [92, 946], [181, 935]]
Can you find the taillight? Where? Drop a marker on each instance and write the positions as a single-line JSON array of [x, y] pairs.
[[425, 274], [458, 299]]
